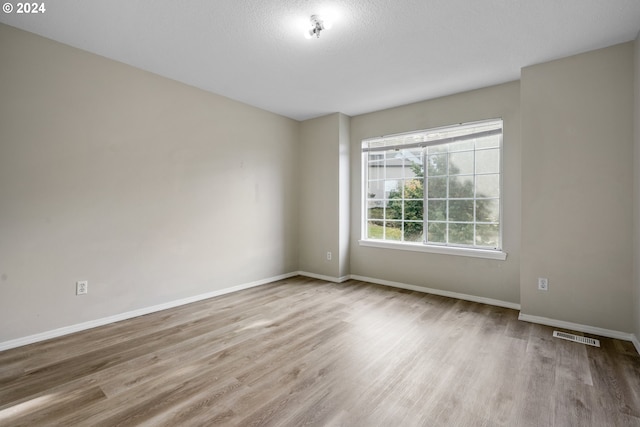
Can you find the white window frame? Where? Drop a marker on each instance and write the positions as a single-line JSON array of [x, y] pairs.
[[427, 138]]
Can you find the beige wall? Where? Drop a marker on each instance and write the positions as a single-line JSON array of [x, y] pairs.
[[324, 174], [577, 167], [149, 189], [636, 189], [485, 278], [344, 188]]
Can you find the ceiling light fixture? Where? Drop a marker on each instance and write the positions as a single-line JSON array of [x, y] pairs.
[[317, 25]]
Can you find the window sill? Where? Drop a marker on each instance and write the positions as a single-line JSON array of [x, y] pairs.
[[444, 250]]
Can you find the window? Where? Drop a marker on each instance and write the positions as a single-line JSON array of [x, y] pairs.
[[438, 187]]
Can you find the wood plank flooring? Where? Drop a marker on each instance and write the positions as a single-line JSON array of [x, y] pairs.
[[306, 352]]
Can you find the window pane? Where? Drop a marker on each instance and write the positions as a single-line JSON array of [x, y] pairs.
[[394, 209], [461, 163], [376, 171], [413, 189], [437, 188], [461, 210], [488, 185], [393, 230], [413, 210], [374, 229], [437, 164], [375, 210], [376, 166], [375, 190], [461, 234], [488, 142], [461, 145], [487, 210], [461, 187], [412, 162], [443, 148], [393, 157], [437, 232], [413, 232], [437, 210], [487, 235], [488, 161], [393, 188]]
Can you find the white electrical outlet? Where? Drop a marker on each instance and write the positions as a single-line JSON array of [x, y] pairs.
[[543, 284], [328, 256], [82, 287]]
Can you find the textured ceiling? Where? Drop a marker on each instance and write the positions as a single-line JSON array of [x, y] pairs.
[[379, 53]]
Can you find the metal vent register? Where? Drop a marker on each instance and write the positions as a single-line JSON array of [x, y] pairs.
[[576, 338]]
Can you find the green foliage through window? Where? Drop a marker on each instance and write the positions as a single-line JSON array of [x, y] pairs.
[[460, 169]]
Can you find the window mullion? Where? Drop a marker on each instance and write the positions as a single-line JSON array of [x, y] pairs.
[[425, 202], [475, 218], [384, 199], [446, 218], [403, 194]]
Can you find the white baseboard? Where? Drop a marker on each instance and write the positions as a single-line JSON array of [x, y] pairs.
[[18, 342], [524, 317], [323, 277], [636, 343], [609, 333], [442, 293], [6, 345]]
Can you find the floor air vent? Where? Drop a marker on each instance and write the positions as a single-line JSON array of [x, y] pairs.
[[577, 338]]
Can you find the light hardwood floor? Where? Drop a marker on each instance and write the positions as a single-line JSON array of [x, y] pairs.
[[306, 352]]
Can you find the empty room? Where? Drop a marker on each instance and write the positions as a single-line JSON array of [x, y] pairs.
[[323, 213]]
